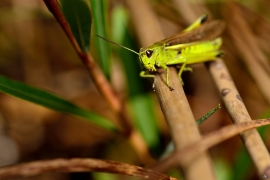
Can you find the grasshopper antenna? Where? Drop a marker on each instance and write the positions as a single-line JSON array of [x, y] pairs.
[[117, 44]]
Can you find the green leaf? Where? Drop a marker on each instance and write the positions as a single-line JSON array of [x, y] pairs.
[[99, 9], [170, 147], [26, 92], [78, 15]]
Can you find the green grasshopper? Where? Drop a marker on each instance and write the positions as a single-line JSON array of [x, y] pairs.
[[196, 44]]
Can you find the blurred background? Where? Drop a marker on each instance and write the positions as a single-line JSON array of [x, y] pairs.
[[35, 50]]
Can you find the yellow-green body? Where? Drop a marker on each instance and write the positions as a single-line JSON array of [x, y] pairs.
[[189, 53], [196, 44], [168, 52]]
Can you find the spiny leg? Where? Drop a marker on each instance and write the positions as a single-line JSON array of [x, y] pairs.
[[208, 56], [167, 78], [182, 69]]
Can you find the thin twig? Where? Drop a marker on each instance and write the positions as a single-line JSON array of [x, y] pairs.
[[208, 141], [79, 165], [90, 165], [55, 9], [96, 74]]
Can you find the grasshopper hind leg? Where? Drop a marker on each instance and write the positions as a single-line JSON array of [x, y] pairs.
[[204, 57], [197, 23], [182, 69], [180, 73]]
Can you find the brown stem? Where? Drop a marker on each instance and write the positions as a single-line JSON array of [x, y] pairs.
[[79, 165], [101, 82], [182, 123], [238, 113], [55, 9], [174, 104], [97, 76], [208, 141]]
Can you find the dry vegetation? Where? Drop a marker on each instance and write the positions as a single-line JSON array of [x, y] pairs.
[[35, 50]]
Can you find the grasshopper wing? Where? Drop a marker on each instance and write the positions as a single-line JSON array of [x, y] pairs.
[[207, 31]]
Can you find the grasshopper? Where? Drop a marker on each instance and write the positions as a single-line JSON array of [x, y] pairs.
[[198, 43]]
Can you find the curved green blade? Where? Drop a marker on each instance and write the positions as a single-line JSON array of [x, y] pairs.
[[43, 98], [78, 15]]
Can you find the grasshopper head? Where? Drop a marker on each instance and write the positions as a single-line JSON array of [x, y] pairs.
[[147, 58]]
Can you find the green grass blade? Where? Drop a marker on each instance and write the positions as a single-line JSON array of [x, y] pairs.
[[78, 15], [207, 115], [170, 147], [99, 9], [26, 92]]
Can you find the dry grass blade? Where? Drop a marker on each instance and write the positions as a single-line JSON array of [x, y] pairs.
[[253, 56], [253, 27], [167, 11], [210, 140], [79, 165], [186, 10], [239, 113]]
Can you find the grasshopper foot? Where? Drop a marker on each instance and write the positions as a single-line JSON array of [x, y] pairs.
[[181, 80], [171, 88], [220, 54], [154, 84], [188, 69]]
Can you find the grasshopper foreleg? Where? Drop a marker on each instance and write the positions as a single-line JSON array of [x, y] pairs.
[[142, 74]]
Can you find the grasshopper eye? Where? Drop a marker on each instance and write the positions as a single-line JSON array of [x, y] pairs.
[[149, 53]]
